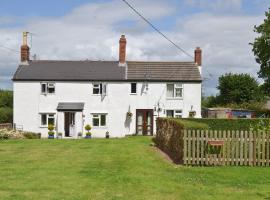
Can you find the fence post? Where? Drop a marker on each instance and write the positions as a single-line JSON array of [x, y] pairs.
[[254, 147], [185, 147]]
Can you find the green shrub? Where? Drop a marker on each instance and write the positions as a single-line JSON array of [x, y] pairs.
[[6, 115], [87, 127], [30, 135], [231, 124], [193, 124]]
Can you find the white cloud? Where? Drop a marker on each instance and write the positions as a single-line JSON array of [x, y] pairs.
[[92, 32], [217, 5]]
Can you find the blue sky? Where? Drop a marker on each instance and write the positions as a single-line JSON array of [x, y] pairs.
[[223, 29]]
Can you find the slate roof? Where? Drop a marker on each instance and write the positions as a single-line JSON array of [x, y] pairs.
[[42, 70], [169, 71], [70, 70], [70, 106]]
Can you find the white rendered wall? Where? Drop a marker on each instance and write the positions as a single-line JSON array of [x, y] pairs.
[[29, 103]]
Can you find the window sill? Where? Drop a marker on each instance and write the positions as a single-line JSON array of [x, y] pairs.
[[100, 127], [133, 93], [174, 98], [45, 94]]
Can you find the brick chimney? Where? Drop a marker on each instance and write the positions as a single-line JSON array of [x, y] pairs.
[[122, 50], [198, 56], [25, 50]]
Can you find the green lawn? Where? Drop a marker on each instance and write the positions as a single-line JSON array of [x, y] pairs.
[[126, 168]]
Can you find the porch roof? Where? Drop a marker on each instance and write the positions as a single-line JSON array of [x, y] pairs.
[[70, 106]]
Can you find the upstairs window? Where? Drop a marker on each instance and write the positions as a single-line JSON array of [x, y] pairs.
[[133, 88], [47, 88], [100, 88], [174, 90]]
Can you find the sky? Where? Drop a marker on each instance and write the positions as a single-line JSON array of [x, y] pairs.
[[81, 29]]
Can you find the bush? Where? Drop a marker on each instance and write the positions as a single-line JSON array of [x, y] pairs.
[[230, 124], [6, 115], [87, 127], [30, 135]]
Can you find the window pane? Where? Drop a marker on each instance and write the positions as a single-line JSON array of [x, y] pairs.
[[100, 88], [95, 121], [51, 120], [178, 85], [169, 90], [169, 113], [178, 92], [43, 119], [133, 88], [102, 120], [51, 90], [43, 88], [95, 90]]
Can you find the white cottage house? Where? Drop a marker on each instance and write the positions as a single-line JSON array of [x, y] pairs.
[[121, 97]]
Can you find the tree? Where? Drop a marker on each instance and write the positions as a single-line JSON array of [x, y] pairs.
[[6, 98], [238, 89], [261, 50]]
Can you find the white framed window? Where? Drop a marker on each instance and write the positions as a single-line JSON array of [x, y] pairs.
[[178, 113], [47, 88], [99, 120], [174, 90], [174, 113], [46, 119], [133, 88], [100, 88]]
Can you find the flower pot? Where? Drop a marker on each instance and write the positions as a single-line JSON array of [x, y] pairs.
[[88, 136], [51, 137], [59, 136]]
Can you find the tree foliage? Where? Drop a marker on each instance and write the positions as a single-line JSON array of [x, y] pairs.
[[261, 49], [238, 88], [6, 98], [237, 91], [6, 105]]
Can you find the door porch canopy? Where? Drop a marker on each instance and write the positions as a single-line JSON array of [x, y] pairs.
[[70, 106]]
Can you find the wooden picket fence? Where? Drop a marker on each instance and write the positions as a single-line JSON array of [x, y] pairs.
[[202, 147]]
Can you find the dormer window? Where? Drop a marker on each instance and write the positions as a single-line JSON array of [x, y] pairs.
[[47, 88]]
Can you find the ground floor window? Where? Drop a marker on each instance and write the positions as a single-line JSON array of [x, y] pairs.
[[174, 113], [47, 119], [99, 120]]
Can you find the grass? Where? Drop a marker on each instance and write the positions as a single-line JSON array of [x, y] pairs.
[[126, 168]]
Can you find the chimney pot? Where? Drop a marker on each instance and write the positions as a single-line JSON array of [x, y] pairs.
[[122, 50], [198, 56]]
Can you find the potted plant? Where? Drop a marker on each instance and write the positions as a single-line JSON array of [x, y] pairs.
[[59, 135], [88, 128], [51, 132], [107, 135], [80, 135]]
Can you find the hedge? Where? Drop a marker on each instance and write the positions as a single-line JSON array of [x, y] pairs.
[[188, 124], [168, 138], [6, 115], [230, 124]]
